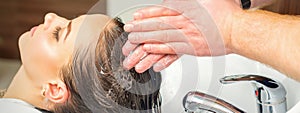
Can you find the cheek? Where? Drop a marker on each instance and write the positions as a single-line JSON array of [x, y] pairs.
[[39, 55]]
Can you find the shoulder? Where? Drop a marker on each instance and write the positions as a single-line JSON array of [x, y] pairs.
[[16, 106]]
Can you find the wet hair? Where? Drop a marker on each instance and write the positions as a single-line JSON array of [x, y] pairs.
[[97, 83]]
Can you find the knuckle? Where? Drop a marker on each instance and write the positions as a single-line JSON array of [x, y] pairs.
[[159, 49], [138, 26], [150, 48], [169, 60], [184, 47], [167, 19], [161, 26], [158, 56], [166, 36], [164, 9], [166, 48], [164, 62], [171, 20], [137, 52], [147, 62]]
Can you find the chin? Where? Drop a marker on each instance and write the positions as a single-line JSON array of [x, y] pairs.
[[22, 41]]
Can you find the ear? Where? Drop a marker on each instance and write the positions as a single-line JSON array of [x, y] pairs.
[[56, 92]]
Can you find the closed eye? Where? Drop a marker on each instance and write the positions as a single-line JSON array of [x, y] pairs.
[[56, 33]]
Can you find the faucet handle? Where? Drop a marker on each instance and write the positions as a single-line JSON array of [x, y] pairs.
[[267, 82], [270, 94]]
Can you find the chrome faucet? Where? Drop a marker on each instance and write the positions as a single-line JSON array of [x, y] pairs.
[[270, 94], [198, 102]]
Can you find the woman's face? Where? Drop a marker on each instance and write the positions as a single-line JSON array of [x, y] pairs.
[[47, 47]]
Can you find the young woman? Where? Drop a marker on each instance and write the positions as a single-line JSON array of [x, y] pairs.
[[75, 66]]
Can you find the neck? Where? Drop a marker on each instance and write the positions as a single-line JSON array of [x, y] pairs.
[[23, 88]]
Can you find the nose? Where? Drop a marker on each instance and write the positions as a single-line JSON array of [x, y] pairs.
[[48, 19]]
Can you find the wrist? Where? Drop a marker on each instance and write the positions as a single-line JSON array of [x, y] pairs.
[[233, 24], [236, 24]]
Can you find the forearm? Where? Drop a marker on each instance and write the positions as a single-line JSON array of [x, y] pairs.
[[270, 38]]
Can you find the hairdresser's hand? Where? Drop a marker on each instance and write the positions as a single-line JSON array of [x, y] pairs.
[[139, 58], [195, 27]]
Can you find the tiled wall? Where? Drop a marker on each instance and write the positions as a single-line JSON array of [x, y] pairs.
[[18, 16]]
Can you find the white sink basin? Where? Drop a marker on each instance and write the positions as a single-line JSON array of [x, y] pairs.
[[295, 109], [198, 77]]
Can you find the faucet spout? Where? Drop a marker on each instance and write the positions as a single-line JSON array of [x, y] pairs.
[[197, 102]]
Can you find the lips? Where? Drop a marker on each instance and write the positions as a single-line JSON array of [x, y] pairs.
[[33, 30]]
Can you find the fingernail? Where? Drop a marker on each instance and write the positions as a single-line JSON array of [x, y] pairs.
[[137, 15], [128, 27], [158, 67]]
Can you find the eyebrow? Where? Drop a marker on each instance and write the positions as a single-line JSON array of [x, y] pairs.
[[69, 29]]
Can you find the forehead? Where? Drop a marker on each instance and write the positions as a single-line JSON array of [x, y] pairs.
[[86, 28], [92, 23], [93, 20]]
